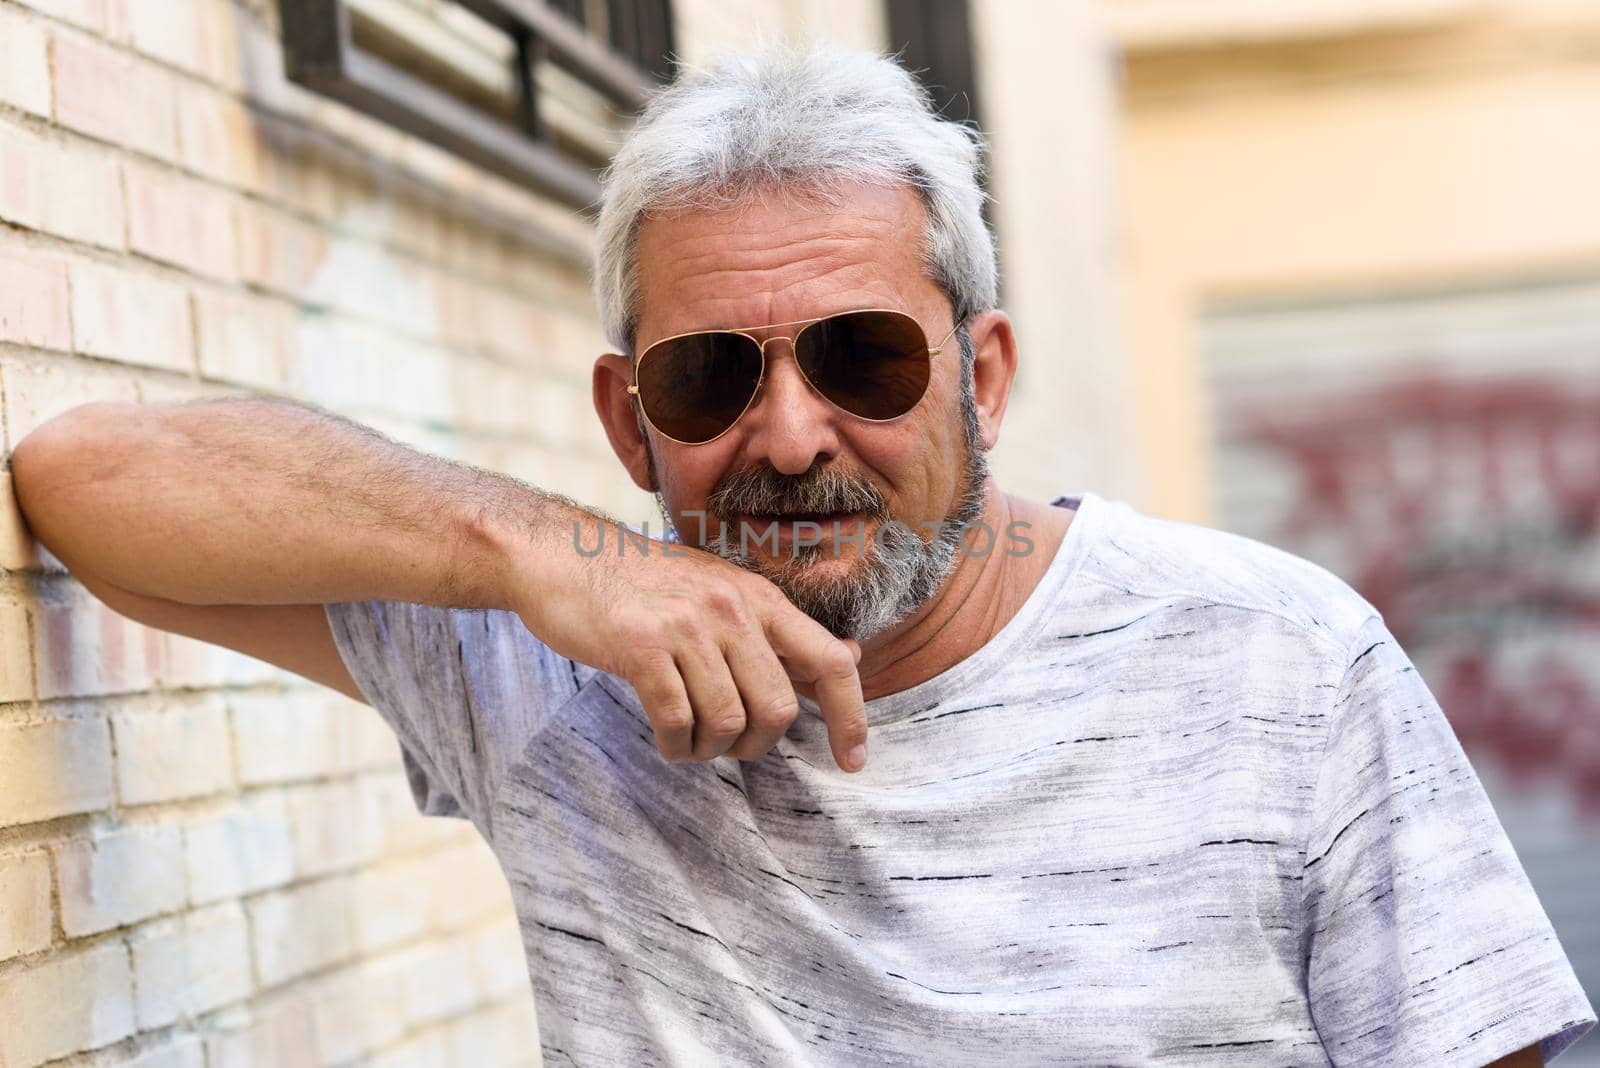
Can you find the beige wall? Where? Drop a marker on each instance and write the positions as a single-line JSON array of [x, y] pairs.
[[1459, 149], [1047, 95]]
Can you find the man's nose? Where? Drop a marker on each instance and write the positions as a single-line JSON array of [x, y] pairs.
[[789, 425]]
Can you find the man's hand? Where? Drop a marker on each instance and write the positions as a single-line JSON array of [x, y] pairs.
[[714, 652]]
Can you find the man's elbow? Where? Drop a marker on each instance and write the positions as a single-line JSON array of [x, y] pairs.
[[53, 462]]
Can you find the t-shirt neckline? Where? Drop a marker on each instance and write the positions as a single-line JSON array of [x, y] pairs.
[[989, 658]]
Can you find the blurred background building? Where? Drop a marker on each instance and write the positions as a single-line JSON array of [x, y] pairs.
[[1322, 272], [1361, 267]]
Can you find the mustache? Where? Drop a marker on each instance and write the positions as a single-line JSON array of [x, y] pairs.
[[767, 491]]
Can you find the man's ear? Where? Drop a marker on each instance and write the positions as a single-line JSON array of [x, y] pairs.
[[993, 371], [615, 406]]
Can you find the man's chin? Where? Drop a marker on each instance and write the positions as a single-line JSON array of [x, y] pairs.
[[817, 569], [825, 588]]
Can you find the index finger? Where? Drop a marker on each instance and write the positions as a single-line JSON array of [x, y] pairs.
[[813, 655]]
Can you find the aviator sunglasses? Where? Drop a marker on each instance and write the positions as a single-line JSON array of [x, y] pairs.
[[874, 364]]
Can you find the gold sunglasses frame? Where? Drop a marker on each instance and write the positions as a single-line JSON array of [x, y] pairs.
[[743, 331]]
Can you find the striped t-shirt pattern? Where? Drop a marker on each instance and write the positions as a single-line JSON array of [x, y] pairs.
[[1191, 805]]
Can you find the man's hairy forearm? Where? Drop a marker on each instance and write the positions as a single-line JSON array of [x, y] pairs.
[[259, 501]]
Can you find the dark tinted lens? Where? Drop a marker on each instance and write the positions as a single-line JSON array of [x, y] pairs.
[[872, 363], [695, 387]]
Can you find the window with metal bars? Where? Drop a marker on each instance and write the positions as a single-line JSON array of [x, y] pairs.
[[539, 91]]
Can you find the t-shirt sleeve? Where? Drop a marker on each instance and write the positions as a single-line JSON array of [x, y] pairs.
[[1425, 942], [465, 691]]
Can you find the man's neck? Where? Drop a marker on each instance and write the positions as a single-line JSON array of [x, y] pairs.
[[979, 597]]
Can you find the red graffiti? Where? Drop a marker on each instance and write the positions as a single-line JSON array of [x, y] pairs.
[[1468, 513]]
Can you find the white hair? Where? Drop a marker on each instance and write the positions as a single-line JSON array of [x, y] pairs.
[[804, 119]]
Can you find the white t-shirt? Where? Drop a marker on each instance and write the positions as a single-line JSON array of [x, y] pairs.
[[1191, 805]]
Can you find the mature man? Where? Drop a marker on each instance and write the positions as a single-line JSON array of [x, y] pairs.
[[1137, 791]]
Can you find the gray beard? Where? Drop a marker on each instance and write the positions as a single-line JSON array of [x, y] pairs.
[[894, 576], [896, 571]]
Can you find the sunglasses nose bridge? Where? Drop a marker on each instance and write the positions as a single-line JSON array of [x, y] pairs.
[[762, 345]]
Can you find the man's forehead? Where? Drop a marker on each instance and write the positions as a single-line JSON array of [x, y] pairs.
[[775, 258]]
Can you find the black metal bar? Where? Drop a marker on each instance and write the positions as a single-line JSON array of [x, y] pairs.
[[316, 34], [412, 104], [527, 88], [569, 47]]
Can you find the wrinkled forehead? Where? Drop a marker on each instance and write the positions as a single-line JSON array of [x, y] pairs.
[[781, 257]]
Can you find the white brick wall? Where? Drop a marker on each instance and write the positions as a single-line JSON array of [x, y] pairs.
[[77, 1000], [24, 904], [300, 930], [185, 967], [53, 768], [174, 751], [245, 848], [119, 878]]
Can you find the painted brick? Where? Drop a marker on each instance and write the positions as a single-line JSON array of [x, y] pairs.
[[24, 904], [420, 1051], [38, 392], [281, 739], [358, 1009], [243, 339], [421, 382], [188, 966], [506, 322], [267, 1033], [16, 654], [306, 733], [245, 849], [195, 36], [278, 252], [18, 550], [465, 884], [219, 138], [68, 191], [33, 299], [389, 904], [172, 753], [374, 283], [24, 63], [82, 648], [407, 830], [498, 1034], [53, 769], [262, 73], [180, 221], [183, 1051], [119, 878], [66, 1004], [498, 959], [297, 170], [194, 664], [300, 930], [125, 314], [438, 981], [111, 96], [375, 748], [499, 399], [191, 663], [338, 362], [336, 826], [455, 309], [88, 14]]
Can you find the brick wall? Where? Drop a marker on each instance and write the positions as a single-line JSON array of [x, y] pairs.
[[203, 860]]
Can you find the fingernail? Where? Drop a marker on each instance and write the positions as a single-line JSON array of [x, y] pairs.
[[857, 757]]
